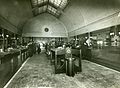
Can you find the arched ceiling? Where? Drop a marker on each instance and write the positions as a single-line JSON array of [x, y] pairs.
[[53, 7], [14, 13], [79, 16], [82, 16]]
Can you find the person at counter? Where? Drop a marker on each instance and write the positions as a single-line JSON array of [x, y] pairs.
[[88, 42], [68, 51], [30, 48], [13, 45], [38, 49], [84, 47]]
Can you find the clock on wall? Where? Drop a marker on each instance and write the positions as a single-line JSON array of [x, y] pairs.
[[46, 29]]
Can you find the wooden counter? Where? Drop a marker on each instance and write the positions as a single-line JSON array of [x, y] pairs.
[[10, 62]]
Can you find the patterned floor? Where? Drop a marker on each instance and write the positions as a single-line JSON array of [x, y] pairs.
[[38, 72]]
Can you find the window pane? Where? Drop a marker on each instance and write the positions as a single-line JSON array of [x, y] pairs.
[[59, 3], [63, 4], [51, 9], [40, 9], [40, 1], [45, 0], [35, 11], [34, 3], [44, 8], [52, 1]]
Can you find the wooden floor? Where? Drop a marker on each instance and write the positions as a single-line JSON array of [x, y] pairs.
[[38, 72]]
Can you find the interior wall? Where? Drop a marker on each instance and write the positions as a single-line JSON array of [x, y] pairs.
[[35, 27], [82, 16], [14, 13]]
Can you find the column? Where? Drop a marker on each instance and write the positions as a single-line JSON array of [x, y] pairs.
[[3, 35]]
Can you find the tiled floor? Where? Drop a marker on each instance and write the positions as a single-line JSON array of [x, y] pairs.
[[38, 72]]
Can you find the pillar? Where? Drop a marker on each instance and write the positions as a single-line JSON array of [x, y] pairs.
[[3, 35]]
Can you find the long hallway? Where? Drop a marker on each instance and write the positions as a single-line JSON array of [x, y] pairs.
[[38, 72], [82, 38]]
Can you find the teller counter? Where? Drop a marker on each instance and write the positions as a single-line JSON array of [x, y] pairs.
[[10, 62]]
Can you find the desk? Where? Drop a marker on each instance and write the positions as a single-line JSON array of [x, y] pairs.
[[55, 52], [57, 55], [58, 59]]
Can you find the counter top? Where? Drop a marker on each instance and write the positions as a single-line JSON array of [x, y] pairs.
[[57, 49], [11, 52], [2, 54]]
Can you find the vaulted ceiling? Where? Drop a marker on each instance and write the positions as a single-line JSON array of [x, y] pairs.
[[82, 16], [14, 14], [78, 16]]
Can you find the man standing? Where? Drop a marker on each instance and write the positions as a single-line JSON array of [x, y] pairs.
[[39, 49]]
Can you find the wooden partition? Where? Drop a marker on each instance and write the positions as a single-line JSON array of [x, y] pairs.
[[76, 53], [60, 61], [5, 68]]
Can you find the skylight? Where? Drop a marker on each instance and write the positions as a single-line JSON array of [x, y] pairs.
[[53, 7]]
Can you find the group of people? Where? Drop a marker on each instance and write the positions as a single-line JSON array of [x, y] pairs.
[[38, 46]]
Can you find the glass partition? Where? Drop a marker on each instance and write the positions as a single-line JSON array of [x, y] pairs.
[[106, 47]]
